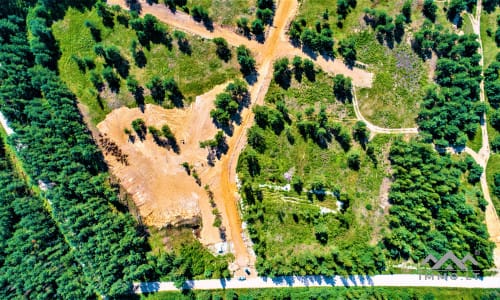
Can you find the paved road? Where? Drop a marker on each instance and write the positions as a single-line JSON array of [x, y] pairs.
[[404, 280]]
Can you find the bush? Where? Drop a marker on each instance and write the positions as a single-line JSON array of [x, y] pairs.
[[222, 51], [354, 160], [429, 10]]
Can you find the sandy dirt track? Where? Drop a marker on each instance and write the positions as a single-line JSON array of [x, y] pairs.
[[181, 20]]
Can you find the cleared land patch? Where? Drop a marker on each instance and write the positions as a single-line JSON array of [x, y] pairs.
[[163, 191]]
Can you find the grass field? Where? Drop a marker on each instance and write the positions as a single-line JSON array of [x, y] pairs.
[[331, 293], [290, 219], [476, 143], [195, 73], [492, 168], [394, 99], [490, 49], [226, 12], [399, 84]]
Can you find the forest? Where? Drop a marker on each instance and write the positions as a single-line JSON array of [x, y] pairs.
[[333, 293], [451, 111], [35, 261], [430, 212], [88, 231]]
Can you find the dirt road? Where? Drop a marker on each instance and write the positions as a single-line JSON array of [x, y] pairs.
[[181, 20], [186, 23], [284, 12]]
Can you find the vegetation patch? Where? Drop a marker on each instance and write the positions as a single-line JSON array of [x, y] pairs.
[[310, 181], [428, 198], [333, 293], [399, 83], [184, 65]]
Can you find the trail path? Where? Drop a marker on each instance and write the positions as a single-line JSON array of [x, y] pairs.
[[482, 157], [374, 128]]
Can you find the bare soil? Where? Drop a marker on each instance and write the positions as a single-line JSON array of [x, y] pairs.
[[161, 188]]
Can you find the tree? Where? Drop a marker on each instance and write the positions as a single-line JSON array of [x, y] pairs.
[[495, 144], [155, 85], [309, 70], [347, 49], [429, 10], [360, 133], [282, 74], [222, 51], [182, 42], [495, 119], [475, 172], [342, 9], [200, 14], [96, 80], [406, 11], [111, 78], [399, 29], [132, 84], [257, 27], [246, 61], [266, 15], [242, 24], [342, 87], [140, 128]]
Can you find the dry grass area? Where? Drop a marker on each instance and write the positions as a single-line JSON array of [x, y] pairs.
[[160, 186]]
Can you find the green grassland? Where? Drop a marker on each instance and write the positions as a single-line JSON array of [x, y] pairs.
[[195, 73], [226, 12], [312, 10], [490, 50], [399, 83], [476, 143], [286, 222], [397, 91], [332, 293], [492, 168]]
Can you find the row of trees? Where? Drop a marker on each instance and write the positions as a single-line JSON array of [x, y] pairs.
[[282, 73], [429, 212], [35, 261]]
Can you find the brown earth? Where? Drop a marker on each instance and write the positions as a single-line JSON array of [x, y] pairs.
[[161, 188]]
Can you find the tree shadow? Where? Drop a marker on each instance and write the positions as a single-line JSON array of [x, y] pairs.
[[139, 98], [184, 46], [140, 59]]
